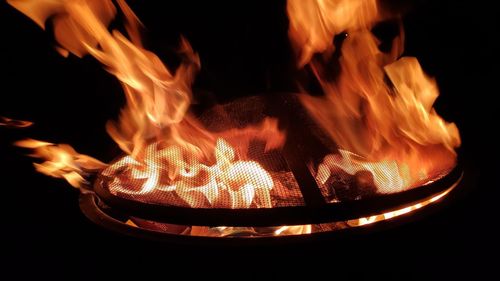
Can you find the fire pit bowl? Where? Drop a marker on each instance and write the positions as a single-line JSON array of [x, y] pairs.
[[299, 204]]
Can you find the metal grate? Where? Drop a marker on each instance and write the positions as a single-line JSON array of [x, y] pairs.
[[293, 169], [205, 190], [201, 192]]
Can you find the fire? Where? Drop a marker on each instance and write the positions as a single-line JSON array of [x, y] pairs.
[[387, 175], [13, 123], [379, 112], [166, 148], [399, 212], [62, 161], [391, 128], [227, 183], [313, 24], [224, 231]]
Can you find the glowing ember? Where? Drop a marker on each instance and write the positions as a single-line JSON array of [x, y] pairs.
[[224, 231], [389, 129], [313, 24], [228, 183], [386, 174]]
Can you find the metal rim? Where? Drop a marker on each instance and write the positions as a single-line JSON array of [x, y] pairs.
[[298, 215], [94, 209]]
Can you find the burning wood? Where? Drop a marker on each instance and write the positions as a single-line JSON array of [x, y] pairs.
[[342, 186]]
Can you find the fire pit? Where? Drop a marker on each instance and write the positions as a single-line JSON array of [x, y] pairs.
[[370, 148], [297, 202]]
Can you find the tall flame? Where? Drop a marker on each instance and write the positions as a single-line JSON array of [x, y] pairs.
[[155, 128], [156, 99], [386, 124]]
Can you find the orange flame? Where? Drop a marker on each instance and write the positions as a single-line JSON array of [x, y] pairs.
[[388, 129], [156, 99], [228, 183], [13, 123], [398, 212], [62, 161], [392, 127], [224, 231], [313, 24], [155, 129]]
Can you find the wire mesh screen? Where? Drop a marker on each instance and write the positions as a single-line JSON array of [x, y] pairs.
[[252, 174], [246, 184], [342, 177], [245, 172]]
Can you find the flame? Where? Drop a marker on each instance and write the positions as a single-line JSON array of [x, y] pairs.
[[228, 183], [13, 123], [226, 231], [313, 24], [398, 212], [157, 100], [167, 148], [62, 161], [387, 175], [220, 231], [391, 127], [293, 230]]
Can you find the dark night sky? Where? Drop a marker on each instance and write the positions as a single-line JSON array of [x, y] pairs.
[[244, 51]]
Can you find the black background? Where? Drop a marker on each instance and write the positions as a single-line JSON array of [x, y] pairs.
[[244, 50]]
